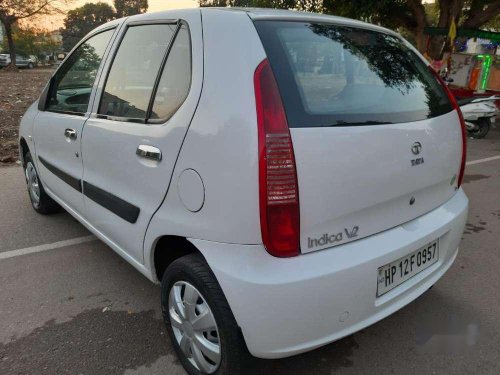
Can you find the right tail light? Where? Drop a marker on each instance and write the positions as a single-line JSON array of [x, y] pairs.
[[455, 105]]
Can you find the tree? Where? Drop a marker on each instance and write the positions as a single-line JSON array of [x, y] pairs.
[[126, 8], [414, 16], [32, 41], [305, 5], [410, 17], [394, 14], [279, 4], [493, 24], [82, 20], [225, 3], [12, 11]]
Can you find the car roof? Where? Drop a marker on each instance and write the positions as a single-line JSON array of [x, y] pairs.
[[270, 14], [294, 15]]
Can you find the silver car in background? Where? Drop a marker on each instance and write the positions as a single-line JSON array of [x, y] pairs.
[[21, 61]]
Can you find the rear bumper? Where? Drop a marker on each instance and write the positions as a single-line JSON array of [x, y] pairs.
[[289, 306]]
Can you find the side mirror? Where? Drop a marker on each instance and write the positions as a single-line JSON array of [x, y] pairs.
[[42, 101]]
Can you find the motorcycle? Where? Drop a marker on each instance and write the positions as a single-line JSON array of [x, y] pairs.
[[479, 114]]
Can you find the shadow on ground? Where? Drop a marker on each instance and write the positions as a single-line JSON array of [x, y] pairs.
[[111, 342], [325, 360], [93, 342]]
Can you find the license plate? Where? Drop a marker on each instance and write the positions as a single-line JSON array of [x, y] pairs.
[[395, 273]]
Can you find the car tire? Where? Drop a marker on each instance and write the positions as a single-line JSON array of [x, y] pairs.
[[483, 128], [30, 65], [188, 272], [40, 201]]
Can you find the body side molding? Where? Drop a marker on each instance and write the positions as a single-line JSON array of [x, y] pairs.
[[74, 182], [118, 206]]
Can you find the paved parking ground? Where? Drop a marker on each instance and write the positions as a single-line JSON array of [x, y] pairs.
[[70, 305]]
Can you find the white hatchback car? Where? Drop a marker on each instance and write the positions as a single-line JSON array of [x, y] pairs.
[[289, 178]]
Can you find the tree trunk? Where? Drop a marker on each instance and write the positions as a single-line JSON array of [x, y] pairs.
[[436, 47], [418, 12], [448, 10], [420, 39], [436, 43], [479, 15], [12, 47]]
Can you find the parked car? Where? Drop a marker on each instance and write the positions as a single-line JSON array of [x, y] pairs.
[[21, 61], [288, 178]]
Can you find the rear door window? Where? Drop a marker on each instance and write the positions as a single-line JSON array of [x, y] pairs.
[[332, 75], [132, 77], [175, 81]]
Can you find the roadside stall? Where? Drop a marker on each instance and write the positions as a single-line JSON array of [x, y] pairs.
[[472, 72], [474, 64]]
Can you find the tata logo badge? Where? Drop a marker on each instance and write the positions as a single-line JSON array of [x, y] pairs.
[[416, 148]]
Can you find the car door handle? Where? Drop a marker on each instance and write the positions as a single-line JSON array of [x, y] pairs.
[[149, 152], [70, 134]]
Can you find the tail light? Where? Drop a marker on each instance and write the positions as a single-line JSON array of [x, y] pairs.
[[278, 188], [455, 105]]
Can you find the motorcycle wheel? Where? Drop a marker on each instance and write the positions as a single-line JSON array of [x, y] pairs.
[[483, 127]]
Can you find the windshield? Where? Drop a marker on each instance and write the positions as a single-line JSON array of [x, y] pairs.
[[334, 75]]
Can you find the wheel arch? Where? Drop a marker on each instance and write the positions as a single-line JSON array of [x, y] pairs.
[[167, 249], [23, 149]]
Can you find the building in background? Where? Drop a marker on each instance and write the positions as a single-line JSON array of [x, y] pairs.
[[482, 46]]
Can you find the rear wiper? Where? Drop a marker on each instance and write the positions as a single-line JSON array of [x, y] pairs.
[[368, 122]]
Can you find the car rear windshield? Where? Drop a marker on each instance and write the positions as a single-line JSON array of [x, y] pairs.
[[332, 75]]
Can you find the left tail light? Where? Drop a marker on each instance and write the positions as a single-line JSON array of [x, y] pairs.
[[278, 187]]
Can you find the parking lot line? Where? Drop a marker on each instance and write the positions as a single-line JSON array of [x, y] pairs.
[[46, 247], [482, 160]]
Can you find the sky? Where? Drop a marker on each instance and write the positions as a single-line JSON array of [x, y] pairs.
[[55, 22]]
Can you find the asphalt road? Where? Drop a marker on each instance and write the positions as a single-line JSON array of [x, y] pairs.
[[81, 309]]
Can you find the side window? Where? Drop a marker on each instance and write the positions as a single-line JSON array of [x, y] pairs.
[[73, 82], [175, 81], [132, 76]]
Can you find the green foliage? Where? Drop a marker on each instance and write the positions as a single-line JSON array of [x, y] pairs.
[[278, 4], [388, 13], [126, 8], [226, 3], [432, 12], [12, 11], [408, 17], [31, 41], [493, 24], [84, 19]]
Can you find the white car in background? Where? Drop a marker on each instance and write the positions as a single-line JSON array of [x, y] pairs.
[[21, 61], [289, 178]]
